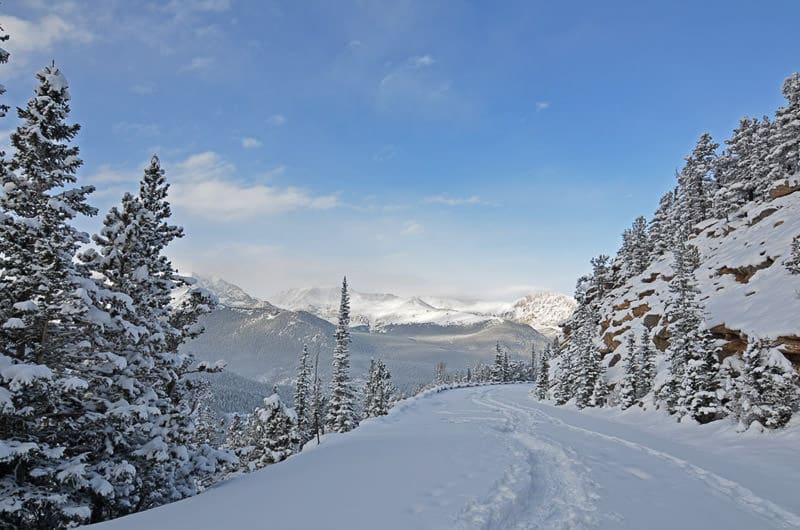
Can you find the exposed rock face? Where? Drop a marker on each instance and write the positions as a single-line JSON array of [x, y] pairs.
[[743, 274]]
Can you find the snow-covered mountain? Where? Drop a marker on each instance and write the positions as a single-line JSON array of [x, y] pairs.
[[541, 310], [230, 295]]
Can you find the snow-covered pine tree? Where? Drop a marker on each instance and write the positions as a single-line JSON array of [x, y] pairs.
[[635, 251], [565, 381], [766, 389], [699, 397], [341, 415], [543, 373], [318, 402], [532, 368], [661, 229], [302, 398], [629, 393], [370, 388], [695, 183], [737, 168], [602, 280], [792, 263], [498, 374], [379, 390], [506, 367], [440, 373], [685, 321], [599, 395], [271, 433], [784, 157], [49, 336], [646, 358], [586, 358]]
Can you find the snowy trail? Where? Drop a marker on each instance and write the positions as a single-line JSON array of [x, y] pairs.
[[492, 458]]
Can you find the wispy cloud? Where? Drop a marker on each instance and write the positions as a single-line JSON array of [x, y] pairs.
[[250, 142], [125, 128], [452, 201], [197, 64], [421, 61], [411, 227], [144, 89], [542, 105], [276, 120], [206, 185]]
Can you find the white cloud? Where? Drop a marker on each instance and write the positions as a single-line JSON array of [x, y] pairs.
[[206, 185], [412, 227], [184, 6], [197, 64], [251, 143], [452, 201], [542, 105], [421, 61], [32, 37], [276, 120]]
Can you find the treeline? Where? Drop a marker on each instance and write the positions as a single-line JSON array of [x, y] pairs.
[[761, 386]]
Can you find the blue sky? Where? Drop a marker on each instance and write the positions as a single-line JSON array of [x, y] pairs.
[[477, 149]]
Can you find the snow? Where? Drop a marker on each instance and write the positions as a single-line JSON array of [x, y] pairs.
[[491, 457], [542, 310]]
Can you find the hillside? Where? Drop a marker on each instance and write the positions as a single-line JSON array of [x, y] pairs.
[[493, 458], [745, 289]]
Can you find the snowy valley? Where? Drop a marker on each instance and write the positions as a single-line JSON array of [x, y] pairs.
[[136, 394]]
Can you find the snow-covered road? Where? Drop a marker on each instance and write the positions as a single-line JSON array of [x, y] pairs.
[[492, 458]]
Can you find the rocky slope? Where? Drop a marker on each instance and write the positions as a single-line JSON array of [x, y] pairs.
[[746, 290]]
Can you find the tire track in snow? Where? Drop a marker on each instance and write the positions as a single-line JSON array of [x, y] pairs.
[[744, 497]]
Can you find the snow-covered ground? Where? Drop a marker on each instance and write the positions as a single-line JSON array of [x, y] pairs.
[[493, 458]]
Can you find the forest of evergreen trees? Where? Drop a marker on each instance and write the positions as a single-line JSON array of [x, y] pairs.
[[761, 154]]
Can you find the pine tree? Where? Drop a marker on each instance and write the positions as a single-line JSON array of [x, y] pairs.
[[50, 323], [498, 373], [635, 252], [630, 382], [302, 398], [379, 390], [792, 263], [646, 358], [341, 416], [685, 319], [661, 229], [766, 389], [586, 358], [506, 367], [318, 405], [784, 157], [696, 185], [532, 370], [271, 432], [543, 373], [600, 390]]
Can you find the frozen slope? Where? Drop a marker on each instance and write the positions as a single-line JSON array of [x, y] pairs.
[[492, 458]]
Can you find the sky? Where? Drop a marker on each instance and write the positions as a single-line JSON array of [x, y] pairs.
[[471, 149]]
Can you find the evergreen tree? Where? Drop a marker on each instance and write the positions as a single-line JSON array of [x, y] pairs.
[[600, 390], [696, 185], [543, 373], [302, 398], [792, 263], [379, 390], [635, 252], [318, 405], [50, 326], [586, 358], [498, 372], [784, 157], [271, 433], [630, 382], [661, 229], [685, 320], [646, 358], [341, 416], [532, 372], [766, 389], [506, 367], [700, 383]]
